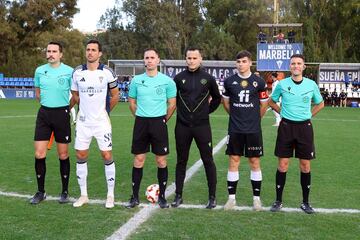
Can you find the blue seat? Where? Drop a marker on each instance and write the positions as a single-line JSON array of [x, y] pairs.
[[2, 83]]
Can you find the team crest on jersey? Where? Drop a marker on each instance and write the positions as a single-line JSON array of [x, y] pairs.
[[306, 99], [61, 81], [255, 84], [244, 83], [159, 91], [183, 81], [101, 78], [203, 81]]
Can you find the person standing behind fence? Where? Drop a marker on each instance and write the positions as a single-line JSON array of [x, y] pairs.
[[295, 133], [52, 88]]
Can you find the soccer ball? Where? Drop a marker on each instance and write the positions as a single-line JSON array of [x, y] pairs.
[[152, 193]]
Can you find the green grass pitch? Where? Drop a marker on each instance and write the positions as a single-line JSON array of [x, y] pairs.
[[335, 184]]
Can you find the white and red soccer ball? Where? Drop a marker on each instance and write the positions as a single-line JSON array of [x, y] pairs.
[[152, 193]]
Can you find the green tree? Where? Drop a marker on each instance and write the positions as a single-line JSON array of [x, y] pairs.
[[22, 24]]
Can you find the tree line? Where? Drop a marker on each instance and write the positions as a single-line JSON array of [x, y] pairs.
[[331, 29]]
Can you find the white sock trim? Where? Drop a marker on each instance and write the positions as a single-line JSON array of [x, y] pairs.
[[232, 196], [255, 175], [233, 176]]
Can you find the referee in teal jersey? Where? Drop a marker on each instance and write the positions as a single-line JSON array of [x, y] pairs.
[[295, 133], [52, 89], [152, 99]]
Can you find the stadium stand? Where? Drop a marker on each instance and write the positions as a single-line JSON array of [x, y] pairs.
[[16, 82]]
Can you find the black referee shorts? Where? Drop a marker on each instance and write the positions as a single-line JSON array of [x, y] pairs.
[[55, 120], [298, 136], [150, 132], [245, 144]]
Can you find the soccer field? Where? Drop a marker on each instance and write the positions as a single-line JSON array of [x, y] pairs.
[[335, 185]]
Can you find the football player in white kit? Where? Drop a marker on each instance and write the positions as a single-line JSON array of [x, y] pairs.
[[90, 84], [274, 76]]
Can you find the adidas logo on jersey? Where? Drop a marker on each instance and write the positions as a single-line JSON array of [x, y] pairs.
[[235, 83], [82, 80]]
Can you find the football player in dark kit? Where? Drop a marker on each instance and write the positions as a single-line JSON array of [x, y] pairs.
[[245, 99], [197, 96]]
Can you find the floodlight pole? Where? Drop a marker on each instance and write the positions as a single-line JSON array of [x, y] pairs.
[[276, 11]]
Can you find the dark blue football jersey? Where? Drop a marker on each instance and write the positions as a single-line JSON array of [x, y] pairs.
[[244, 97]]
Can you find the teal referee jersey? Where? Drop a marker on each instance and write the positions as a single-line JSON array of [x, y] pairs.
[[296, 98], [54, 84], [151, 94]]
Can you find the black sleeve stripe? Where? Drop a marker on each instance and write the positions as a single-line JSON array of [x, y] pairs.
[[112, 85]]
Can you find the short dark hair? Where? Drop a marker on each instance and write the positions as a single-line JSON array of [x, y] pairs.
[[58, 44], [298, 55], [193, 48], [152, 49], [274, 74], [243, 53], [94, 41]]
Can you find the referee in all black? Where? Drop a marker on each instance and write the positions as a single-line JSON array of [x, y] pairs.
[[197, 96]]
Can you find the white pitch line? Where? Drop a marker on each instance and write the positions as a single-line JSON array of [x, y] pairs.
[[139, 218], [191, 206]]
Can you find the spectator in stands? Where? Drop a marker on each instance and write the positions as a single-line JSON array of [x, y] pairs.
[[334, 98], [343, 98], [262, 37], [291, 36], [347, 80], [280, 37], [326, 96], [301, 100], [52, 89], [355, 84]]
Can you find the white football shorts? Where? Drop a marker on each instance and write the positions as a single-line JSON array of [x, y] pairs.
[[101, 132]]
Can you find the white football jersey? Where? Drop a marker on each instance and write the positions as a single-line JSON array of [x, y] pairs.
[[93, 88]]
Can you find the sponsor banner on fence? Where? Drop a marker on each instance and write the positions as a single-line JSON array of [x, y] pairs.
[[13, 93], [337, 75], [216, 72], [276, 56]]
